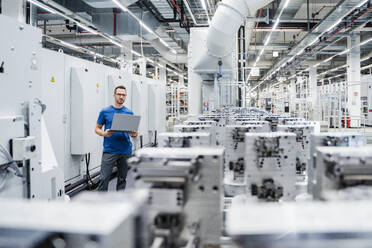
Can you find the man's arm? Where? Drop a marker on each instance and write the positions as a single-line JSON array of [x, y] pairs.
[[102, 133]]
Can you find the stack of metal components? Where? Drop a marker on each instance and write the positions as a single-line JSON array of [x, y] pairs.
[[245, 173]]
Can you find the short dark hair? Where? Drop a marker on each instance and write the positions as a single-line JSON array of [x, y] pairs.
[[120, 87]]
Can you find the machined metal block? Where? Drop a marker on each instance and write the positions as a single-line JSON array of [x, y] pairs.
[[335, 224], [184, 140], [303, 133], [329, 139], [270, 165], [342, 167], [197, 173], [234, 151], [100, 220], [198, 129]]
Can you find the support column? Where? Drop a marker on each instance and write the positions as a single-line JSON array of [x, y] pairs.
[[15, 9], [353, 78], [181, 81], [162, 73], [313, 82], [195, 93]]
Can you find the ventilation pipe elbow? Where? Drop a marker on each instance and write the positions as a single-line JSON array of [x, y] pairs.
[[226, 22]]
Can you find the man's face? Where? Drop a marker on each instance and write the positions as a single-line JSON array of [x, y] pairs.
[[120, 96]]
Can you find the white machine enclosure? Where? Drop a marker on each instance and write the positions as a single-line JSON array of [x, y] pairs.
[[234, 143], [185, 191], [87, 100], [303, 134], [329, 139], [56, 95], [335, 224], [94, 219], [184, 140], [22, 116], [270, 169], [342, 167], [199, 129]]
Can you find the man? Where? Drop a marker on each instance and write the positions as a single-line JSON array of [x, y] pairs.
[[117, 147]]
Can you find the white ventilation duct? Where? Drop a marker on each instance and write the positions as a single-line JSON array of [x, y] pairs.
[[225, 24], [167, 54]]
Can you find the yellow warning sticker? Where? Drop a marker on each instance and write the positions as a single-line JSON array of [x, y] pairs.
[[52, 80], [97, 85]]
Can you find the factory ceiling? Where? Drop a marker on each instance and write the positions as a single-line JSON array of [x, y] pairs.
[[300, 23]]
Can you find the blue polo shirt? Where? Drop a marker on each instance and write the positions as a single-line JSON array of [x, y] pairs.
[[119, 142]]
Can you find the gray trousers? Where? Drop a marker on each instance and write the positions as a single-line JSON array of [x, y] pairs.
[[108, 162]]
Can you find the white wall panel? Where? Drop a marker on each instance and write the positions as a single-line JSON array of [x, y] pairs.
[[140, 107], [116, 80], [87, 100]]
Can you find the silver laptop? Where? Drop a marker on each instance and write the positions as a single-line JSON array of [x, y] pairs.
[[123, 122]]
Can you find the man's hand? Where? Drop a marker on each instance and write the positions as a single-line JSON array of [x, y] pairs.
[[107, 133], [133, 134], [100, 132]]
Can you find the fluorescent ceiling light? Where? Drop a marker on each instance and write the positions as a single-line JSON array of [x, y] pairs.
[[276, 24], [120, 5], [190, 11], [43, 6], [115, 43], [138, 54], [205, 9], [88, 29], [69, 44], [267, 40], [334, 25], [146, 27], [363, 2], [286, 3]]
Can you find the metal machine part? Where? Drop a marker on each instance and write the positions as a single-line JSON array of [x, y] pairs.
[[234, 179], [286, 120], [342, 167], [270, 165], [329, 139], [198, 129], [303, 133], [315, 124], [267, 190], [185, 193], [100, 220], [220, 122], [261, 123], [21, 117], [184, 139], [335, 224], [273, 120]]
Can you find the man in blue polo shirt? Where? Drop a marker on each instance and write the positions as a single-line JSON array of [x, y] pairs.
[[117, 147]]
